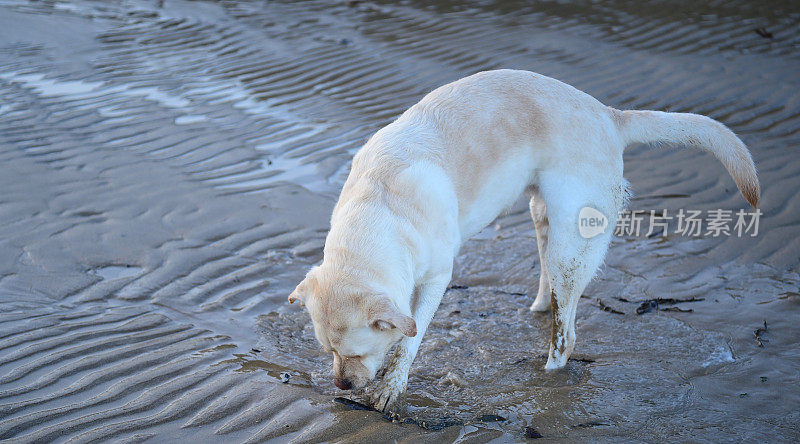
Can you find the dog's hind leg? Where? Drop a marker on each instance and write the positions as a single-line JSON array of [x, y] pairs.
[[572, 259], [542, 224]]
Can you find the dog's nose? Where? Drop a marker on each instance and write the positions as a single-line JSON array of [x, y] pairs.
[[343, 384]]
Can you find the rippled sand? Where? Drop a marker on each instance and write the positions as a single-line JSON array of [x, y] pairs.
[[167, 175]]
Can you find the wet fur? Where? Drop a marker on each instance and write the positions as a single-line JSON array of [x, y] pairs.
[[444, 170]]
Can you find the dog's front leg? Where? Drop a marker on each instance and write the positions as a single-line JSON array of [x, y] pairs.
[[395, 379]]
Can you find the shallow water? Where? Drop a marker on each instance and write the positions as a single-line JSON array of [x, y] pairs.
[[168, 174]]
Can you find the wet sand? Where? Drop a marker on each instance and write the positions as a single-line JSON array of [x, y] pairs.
[[167, 175]]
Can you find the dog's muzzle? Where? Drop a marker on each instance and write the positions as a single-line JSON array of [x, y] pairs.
[[343, 384]]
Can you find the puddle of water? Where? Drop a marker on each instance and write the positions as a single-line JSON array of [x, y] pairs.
[[51, 87], [82, 89], [152, 93], [189, 119], [290, 169], [111, 272]]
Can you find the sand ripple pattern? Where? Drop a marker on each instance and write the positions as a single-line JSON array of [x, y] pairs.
[[154, 162]]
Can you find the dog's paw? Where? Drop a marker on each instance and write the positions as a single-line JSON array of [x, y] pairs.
[[557, 360], [387, 391], [541, 303], [554, 364]]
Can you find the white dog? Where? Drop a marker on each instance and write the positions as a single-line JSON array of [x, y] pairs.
[[444, 170]]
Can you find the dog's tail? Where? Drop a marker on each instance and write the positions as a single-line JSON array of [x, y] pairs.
[[697, 131]]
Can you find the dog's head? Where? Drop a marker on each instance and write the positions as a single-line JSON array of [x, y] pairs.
[[356, 324]]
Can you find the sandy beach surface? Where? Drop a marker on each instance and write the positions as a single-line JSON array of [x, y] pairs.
[[167, 174]]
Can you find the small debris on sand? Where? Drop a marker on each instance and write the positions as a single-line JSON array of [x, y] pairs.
[[604, 307], [531, 433], [427, 424], [490, 418], [457, 287], [650, 304], [764, 33], [285, 377], [757, 333], [512, 293], [678, 309], [354, 405], [591, 424]]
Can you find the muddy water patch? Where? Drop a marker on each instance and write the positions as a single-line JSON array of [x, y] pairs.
[[484, 352], [462, 372]]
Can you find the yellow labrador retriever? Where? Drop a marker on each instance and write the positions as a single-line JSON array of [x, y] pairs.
[[443, 171]]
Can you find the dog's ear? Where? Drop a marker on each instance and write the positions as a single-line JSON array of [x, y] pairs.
[[384, 315]]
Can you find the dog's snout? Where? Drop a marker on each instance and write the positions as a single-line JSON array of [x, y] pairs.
[[343, 384]]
